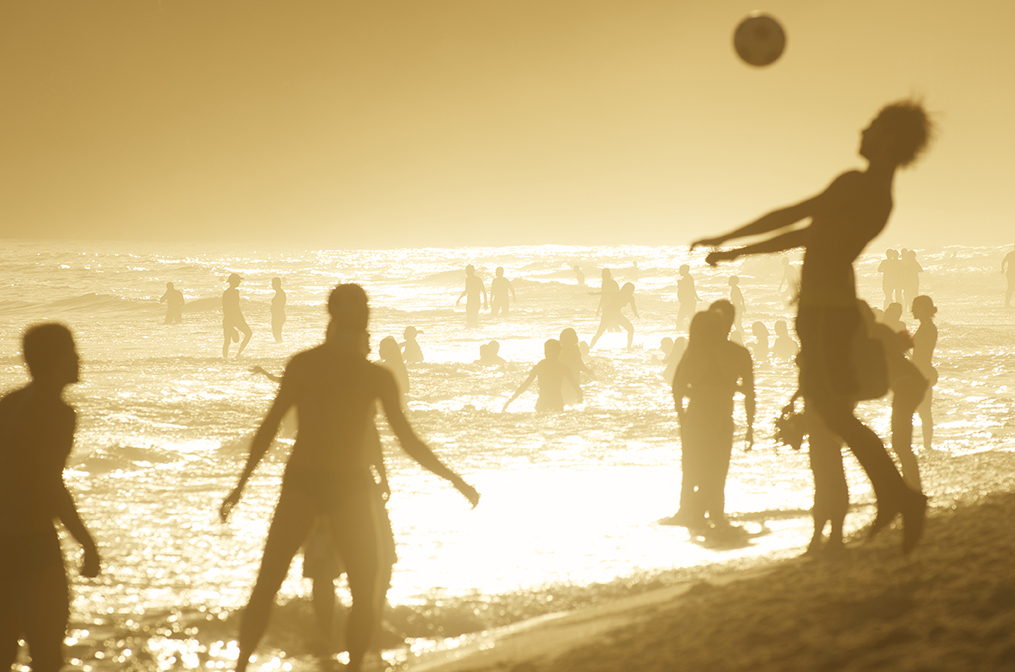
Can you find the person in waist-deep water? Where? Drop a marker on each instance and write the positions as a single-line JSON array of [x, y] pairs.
[[36, 436], [334, 389], [843, 220], [551, 374]]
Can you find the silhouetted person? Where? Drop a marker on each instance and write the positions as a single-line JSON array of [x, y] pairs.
[[1008, 268], [910, 272], [892, 317], [571, 357], [687, 296], [610, 289], [391, 359], [410, 348], [500, 288], [760, 349], [844, 219], [924, 342], [173, 298], [711, 371], [474, 289], [232, 317], [737, 299], [890, 269], [333, 388], [579, 276], [488, 354], [612, 314], [789, 282], [36, 436], [785, 347], [676, 353], [551, 374], [277, 309]]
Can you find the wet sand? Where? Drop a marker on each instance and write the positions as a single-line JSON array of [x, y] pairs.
[[950, 605]]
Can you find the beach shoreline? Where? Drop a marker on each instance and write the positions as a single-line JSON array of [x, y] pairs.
[[949, 605]]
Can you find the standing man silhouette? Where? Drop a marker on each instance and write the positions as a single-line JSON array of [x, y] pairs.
[[173, 298], [278, 302], [687, 296], [844, 219], [1008, 268], [232, 317], [36, 436], [473, 290], [500, 287]]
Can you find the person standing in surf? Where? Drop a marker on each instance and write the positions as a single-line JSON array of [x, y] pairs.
[[850, 213], [328, 479], [278, 302], [473, 290], [232, 317]]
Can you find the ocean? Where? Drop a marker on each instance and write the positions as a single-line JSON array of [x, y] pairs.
[[570, 501]]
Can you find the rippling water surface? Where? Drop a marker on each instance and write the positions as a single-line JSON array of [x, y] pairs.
[[569, 501]]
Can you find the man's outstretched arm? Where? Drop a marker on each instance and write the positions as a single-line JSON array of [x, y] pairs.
[[773, 221], [786, 241]]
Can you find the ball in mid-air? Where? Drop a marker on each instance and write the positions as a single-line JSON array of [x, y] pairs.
[[759, 40]]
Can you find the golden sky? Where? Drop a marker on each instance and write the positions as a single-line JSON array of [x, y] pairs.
[[492, 122]]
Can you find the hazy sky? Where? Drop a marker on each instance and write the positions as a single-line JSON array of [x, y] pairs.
[[461, 122]]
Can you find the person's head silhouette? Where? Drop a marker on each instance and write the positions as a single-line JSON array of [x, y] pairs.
[[276, 283], [923, 307], [500, 271], [234, 280], [51, 355], [470, 270], [898, 135], [551, 349], [684, 270]]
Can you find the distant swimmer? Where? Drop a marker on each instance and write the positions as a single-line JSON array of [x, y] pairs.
[[1008, 268], [173, 298], [277, 309], [739, 307], [391, 359], [785, 347], [910, 277], [612, 314], [924, 342], [474, 289], [687, 296], [36, 436], [411, 351], [711, 371], [489, 354], [551, 374], [844, 219], [571, 357], [500, 288], [890, 269], [327, 479], [232, 317], [789, 283], [579, 276]]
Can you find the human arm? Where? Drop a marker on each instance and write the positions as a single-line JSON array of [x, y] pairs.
[[164, 298], [372, 439], [574, 382], [482, 288], [461, 296], [634, 308], [413, 445], [269, 376], [773, 221], [67, 512], [524, 386], [510, 287], [786, 241], [680, 386], [265, 434]]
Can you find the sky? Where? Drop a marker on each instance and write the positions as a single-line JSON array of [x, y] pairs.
[[486, 122]]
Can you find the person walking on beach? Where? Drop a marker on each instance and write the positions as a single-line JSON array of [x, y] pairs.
[[1008, 268], [844, 219], [277, 309], [36, 436], [890, 269], [551, 374], [473, 290], [411, 351], [333, 387], [500, 287], [924, 342], [232, 317], [173, 298], [711, 371], [613, 316], [687, 296]]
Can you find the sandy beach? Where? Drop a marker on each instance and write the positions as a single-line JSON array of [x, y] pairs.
[[950, 605]]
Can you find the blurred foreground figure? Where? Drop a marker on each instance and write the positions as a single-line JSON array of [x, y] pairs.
[[327, 479], [1008, 268], [711, 371], [844, 219], [232, 317], [173, 298], [36, 436]]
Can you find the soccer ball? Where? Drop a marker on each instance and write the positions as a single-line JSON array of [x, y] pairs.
[[759, 40]]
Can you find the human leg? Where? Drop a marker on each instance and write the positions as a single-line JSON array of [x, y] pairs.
[[46, 612], [904, 403], [927, 418], [715, 468], [247, 333], [831, 494], [292, 522]]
